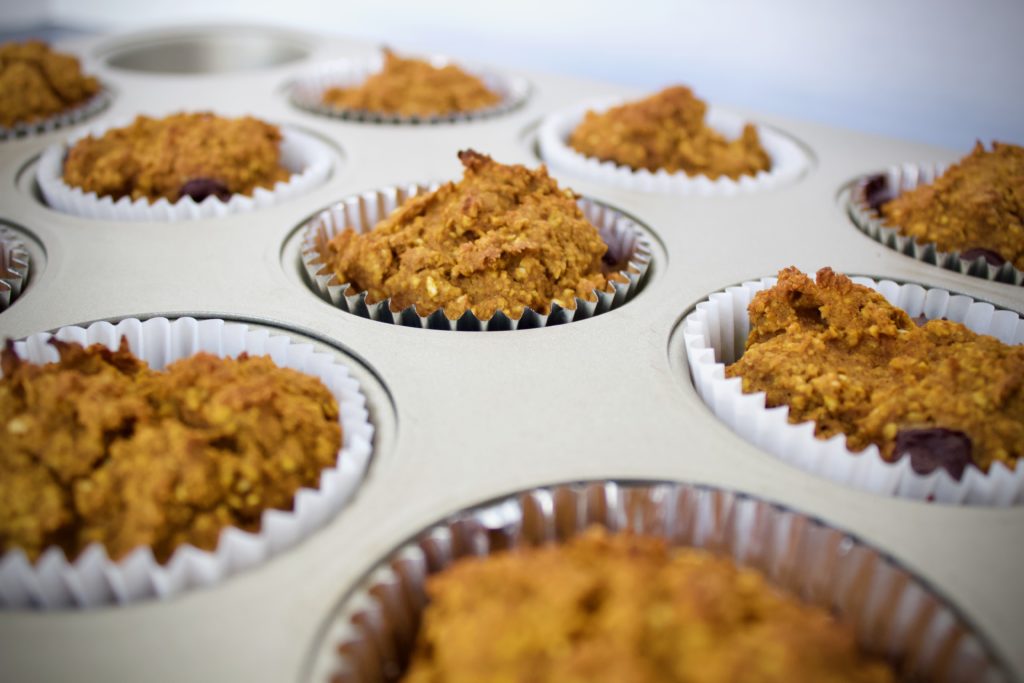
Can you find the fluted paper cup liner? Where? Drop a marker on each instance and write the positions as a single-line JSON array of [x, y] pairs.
[[76, 114], [14, 267], [362, 212], [307, 92], [308, 159], [789, 161], [93, 578], [864, 211], [716, 334], [370, 635]]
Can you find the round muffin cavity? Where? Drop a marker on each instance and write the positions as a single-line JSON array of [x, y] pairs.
[[841, 355], [678, 583], [976, 207], [100, 448], [667, 131], [183, 155], [37, 83], [414, 87], [616, 607], [504, 238]]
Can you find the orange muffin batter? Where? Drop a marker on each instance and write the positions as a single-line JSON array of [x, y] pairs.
[[502, 239], [625, 608], [977, 205], [194, 155], [838, 353], [666, 131], [99, 447], [36, 83], [414, 87]]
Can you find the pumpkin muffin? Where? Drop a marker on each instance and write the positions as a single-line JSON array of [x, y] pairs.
[[666, 132], [36, 83], [504, 238], [841, 355], [414, 87], [976, 207], [195, 155], [624, 607], [98, 447]]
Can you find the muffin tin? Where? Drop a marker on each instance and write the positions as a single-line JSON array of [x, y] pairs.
[[461, 417]]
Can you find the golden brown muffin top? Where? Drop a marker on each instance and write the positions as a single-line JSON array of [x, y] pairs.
[[666, 131], [625, 608], [183, 154], [100, 448], [977, 204], [838, 353], [36, 82], [502, 239], [414, 87]]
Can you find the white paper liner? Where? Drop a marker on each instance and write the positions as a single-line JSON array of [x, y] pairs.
[[716, 334], [93, 578], [904, 178], [80, 112], [14, 267], [789, 162], [309, 160], [363, 211], [307, 91], [371, 634]]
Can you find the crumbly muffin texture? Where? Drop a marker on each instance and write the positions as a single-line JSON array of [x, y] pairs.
[[666, 131], [502, 239], [838, 353], [36, 83], [624, 608], [98, 447], [185, 154], [414, 87], [977, 204]]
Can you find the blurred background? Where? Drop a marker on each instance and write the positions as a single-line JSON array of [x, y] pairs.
[[937, 71]]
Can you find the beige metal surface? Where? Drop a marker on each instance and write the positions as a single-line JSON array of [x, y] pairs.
[[465, 417]]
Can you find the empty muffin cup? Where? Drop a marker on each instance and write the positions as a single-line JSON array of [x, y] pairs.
[[788, 161], [715, 335], [371, 634], [864, 204], [625, 240], [14, 267], [307, 92], [309, 160], [93, 578]]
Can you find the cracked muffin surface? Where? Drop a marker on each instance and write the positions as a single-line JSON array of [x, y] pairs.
[[841, 355], [36, 82], [666, 131], [414, 87], [501, 239], [622, 607], [98, 447], [184, 154], [977, 205]]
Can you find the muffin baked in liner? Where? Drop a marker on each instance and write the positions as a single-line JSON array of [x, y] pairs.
[[363, 211], [370, 636], [306, 91], [789, 161], [92, 106], [309, 160], [870, 191], [14, 267], [93, 578], [715, 335]]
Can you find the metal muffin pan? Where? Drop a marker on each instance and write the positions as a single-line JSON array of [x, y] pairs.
[[465, 417]]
